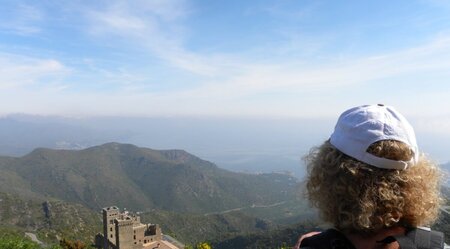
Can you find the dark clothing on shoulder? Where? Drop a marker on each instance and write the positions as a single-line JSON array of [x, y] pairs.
[[416, 238], [330, 239]]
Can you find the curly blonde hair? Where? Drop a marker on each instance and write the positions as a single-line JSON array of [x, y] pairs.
[[359, 198]]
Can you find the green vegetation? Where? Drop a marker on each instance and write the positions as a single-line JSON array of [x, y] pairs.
[[71, 244], [201, 245], [16, 242], [58, 194], [49, 220], [138, 179], [172, 188], [284, 213], [279, 238], [194, 228]]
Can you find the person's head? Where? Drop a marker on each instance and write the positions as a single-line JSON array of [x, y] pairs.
[[369, 174]]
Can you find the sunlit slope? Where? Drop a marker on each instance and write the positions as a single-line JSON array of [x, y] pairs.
[[138, 178], [49, 220]]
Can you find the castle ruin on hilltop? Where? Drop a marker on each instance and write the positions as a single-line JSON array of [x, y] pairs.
[[123, 230]]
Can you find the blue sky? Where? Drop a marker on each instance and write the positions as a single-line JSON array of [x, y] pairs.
[[225, 58]]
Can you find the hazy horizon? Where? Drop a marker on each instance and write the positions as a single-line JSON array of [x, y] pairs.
[[239, 144], [226, 80]]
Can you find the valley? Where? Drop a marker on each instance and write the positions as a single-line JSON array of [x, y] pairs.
[[54, 194], [192, 199]]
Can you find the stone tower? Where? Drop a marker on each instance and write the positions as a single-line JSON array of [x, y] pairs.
[[124, 230], [109, 228], [124, 233]]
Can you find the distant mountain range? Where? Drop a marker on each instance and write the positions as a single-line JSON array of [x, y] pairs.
[[192, 198], [20, 134], [58, 193], [138, 179], [238, 144]]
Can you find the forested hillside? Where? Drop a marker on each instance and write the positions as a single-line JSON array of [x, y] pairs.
[[56, 194], [139, 179]]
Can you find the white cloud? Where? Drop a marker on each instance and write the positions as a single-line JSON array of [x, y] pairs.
[[228, 83], [234, 93], [21, 71], [242, 79], [155, 26]]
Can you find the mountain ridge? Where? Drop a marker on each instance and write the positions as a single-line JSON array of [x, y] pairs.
[[138, 178]]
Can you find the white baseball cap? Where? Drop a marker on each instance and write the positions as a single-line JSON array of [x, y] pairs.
[[359, 127]]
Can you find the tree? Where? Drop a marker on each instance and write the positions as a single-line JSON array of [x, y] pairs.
[[70, 244], [203, 245], [15, 242]]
